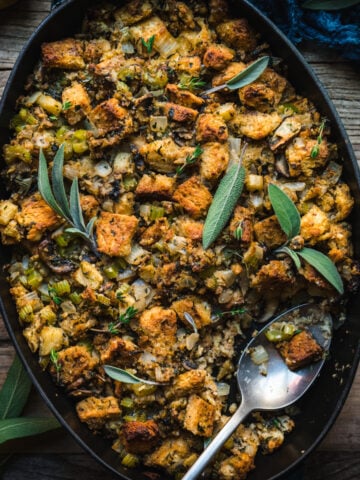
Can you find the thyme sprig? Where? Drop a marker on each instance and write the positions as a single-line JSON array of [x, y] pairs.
[[190, 159], [56, 198], [148, 44], [191, 83], [54, 359], [66, 106], [124, 318], [316, 148]]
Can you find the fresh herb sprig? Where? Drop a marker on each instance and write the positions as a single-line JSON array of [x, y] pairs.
[[13, 397], [249, 75], [56, 198], [148, 44], [124, 376], [224, 201], [54, 359], [124, 318], [329, 4], [66, 106], [289, 220], [316, 148], [190, 159], [191, 83]]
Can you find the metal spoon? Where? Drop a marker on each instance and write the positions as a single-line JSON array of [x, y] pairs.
[[279, 388]]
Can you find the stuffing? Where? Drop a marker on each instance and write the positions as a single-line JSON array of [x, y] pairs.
[[244, 218], [230, 71], [217, 56], [76, 365], [90, 206], [95, 412], [315, 226], [299, 159], [237, 466], [165, 155], [51, 338], [66, 54], [197, 308], [183, 97], [158, 331], [78, 100], [190, 228], [36, 217], [119, 352], [273, 275], [187, 382], [140, 437], [88, 275], [269, 233], [339, 242], [199, 417], [194, 197], [256, 125], [300, 350], [186, 64], [8, 211], [211, 128], [76, 325], [178, 113], [172, 454], [159, 230], [95, 49], [115, 232], [237, 34], [109, 116], [133, 13], [214, 160], [157, 185]]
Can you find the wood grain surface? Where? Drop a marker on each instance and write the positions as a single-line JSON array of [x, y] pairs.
[[56, 455]]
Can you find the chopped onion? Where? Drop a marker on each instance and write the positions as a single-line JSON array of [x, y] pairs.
[[147, 357], [259, 355], [191, 340], [158, 123], [225, 278], [223, 389], [256, 199], [136, 255], [234, 148], [166, 44], [126, 275], [32, 99], [226, 296], [144, 211], [177, 245], [68, 307], [142, 293], [294, 186], [122, 162], [270, 309], [128, 47], [103, 169]]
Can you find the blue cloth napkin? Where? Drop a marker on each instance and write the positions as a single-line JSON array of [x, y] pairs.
[[337, 29]]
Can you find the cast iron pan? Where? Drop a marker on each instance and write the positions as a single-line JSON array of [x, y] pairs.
[[320, 407]]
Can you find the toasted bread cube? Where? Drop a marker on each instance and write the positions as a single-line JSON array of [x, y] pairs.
[[94, 49], [66, 54], [119, 352], [211, 128], [158, 327], [256, 125], [76, 365], [49, 104], [183, 97], [315, 225], [190, 64], [199, 416], [298, 156], [158, 185], [230, 71], [217, 56], [8, 211], [50, 338], [196, 307], [114, 233], [188, 382], [273, 275], [165, 155], [171, 455], [237, 466], [37, 217], [140, 437], [95, 412], [88, 275], [179, 113], [238, 34], [190, 228], [109, 116], [194, 197], [78, 99], [243, 218], [214, 160], [300, 350], [269, 233]]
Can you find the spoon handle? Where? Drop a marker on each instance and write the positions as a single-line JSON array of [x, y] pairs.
[[217, 442]]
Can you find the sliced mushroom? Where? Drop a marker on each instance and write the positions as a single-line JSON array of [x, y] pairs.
[[285, 132], [50, 256]]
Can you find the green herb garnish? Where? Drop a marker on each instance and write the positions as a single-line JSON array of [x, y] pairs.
[[329, 4], [66, 106], [124, 318], [191, 83], [190, 159], [238, 232], [57, 199], [54, 296], [224, 201], [249, 75], [231, 313], [54, 359], [289, 221], [123, 376], [316, 148], [149, 43]]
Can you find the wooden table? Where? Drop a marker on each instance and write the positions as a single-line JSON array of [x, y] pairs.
[[56, 455]]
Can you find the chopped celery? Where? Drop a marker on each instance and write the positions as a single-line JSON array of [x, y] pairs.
[[75, 298], [111, 271], [79, 141], [34, 279], [61, 288], [279, 332], [156, 212]]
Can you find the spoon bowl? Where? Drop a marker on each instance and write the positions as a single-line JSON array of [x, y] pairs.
[[280, 387]]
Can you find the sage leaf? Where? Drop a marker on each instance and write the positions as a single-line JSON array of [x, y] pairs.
[[11, 428], [292, 254], [190, 321], [285, 210], [15, 390], [58, 182], [248, 75], [324, 266], [45, 188], [224, 201], [75, 206], [123, 376], [329, 4]]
